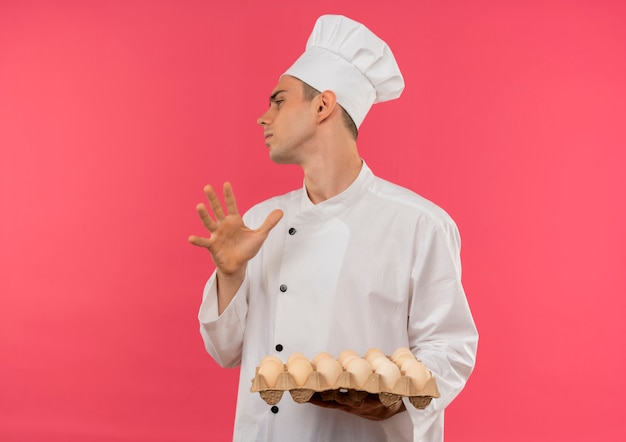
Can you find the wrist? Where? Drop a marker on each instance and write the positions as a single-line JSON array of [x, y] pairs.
[[231, 277]]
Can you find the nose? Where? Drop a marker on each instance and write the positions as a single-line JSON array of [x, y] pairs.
[[263, 119]]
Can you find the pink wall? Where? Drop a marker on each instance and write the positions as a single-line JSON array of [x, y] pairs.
[[113, 115]]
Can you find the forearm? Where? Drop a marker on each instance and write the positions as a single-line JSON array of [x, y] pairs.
[[227, 287]]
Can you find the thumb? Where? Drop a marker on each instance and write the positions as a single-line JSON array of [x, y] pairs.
[[271, 221]]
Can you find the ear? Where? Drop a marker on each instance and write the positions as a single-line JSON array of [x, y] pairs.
[[326, 103]]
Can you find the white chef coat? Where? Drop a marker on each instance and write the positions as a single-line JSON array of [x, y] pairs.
[[375, 266]]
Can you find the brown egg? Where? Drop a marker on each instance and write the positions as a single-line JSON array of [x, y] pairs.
[[347, 360], [360, 369], [300, 369], [403, 358], [270, 368], [380, 361], [271, 358], [344, 354], [407, 363], [419, 374], [296, 355], [400, 351], [389, 373], [321, 355], [329, 369], [372, 354]]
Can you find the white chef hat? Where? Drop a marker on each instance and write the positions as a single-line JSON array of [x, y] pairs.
[[345, 57]]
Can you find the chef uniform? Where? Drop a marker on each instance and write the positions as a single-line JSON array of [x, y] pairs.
[[375, 266]]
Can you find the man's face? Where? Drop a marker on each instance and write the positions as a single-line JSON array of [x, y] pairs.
[[289, 123]]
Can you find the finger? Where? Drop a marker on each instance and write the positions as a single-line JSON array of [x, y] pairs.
[[229, 197], [344, 399], [206, 218], [199, 241], [216, 206], [317, 400], [326, 404], [271, 220]]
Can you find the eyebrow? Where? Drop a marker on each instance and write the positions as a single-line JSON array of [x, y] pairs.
[[275, 94]]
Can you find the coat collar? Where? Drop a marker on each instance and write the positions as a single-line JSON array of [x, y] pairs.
[[359, 187]]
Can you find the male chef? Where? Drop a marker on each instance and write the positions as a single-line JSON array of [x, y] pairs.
[[348, 261]]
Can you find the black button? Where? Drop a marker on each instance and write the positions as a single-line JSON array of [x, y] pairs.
[[279, 347], [292, 231], [274, 409], [283, 288]]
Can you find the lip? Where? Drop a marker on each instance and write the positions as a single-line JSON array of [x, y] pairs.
[[267, 135]]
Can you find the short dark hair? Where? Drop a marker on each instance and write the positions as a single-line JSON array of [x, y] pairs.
[[310, 93]]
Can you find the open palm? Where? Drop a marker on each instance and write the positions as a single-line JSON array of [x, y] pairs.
[[231, 243]]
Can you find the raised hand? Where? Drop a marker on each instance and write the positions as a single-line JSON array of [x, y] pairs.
[[231, 243]]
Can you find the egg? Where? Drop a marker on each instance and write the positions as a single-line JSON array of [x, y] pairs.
[[407, 363], [321, 355], [380, 361], [347, 360], [360, 369], [344, 354], [400, 351], [270, 368], [296, 355], [419, 374], [329, 369], [400, 360], [271, 358], [372, 354], [389, 373], [300, 369]]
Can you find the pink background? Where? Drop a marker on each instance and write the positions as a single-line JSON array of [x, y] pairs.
[[114, 114]]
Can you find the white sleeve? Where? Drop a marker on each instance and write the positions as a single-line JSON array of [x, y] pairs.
[[223, 334], [441, 329]]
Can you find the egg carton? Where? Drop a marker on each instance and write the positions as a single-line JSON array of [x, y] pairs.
[[345, 385]]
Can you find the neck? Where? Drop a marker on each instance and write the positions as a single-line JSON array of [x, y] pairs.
[[326, 176]]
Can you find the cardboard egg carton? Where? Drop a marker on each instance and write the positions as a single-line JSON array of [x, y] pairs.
[[345, 385]]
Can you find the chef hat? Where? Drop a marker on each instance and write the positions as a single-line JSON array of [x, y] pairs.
[[345, 57]]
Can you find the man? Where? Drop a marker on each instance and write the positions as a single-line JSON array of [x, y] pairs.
[[349, 261]]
